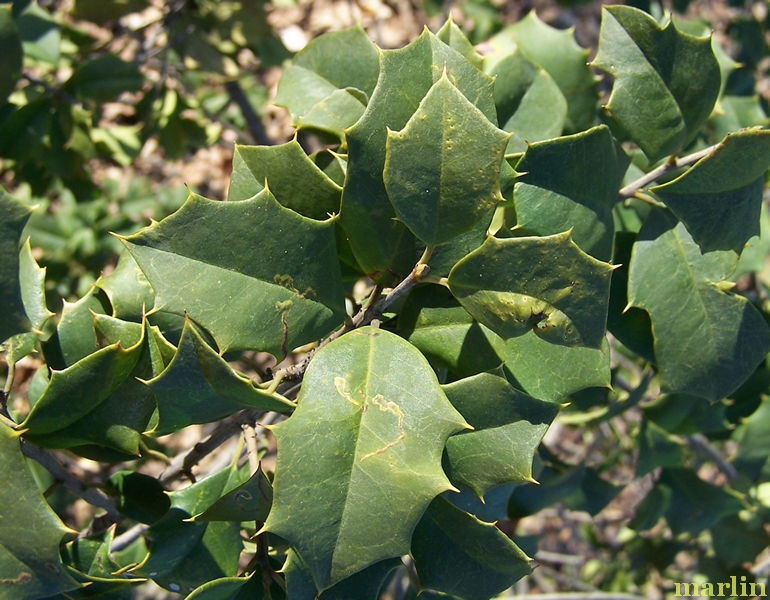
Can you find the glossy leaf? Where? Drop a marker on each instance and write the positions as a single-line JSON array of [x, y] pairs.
[[552, 372], [559, 54], [12, 55], [457, 554], [666, 82], [328, 82], [249, 501], [544, 284], [231, 588], [364, 585], [507, 428], [88, 560], [200, 387], [378, 241], [185, 555], [375, 454], [13, 217], [529, 103], [257, 290], [720, 197], [30, 532], [580, 193], [128, 290], [439, 327], [442, 169], [707, 341], [295, 181]]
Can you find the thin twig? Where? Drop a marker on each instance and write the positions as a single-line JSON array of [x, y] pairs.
[[371, 311], [253, 121], [58, 93], [703, 447], [125, 539], [670, 165], [68, 480], [250, 435]]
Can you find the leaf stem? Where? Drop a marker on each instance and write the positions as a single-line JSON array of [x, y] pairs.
[[672, 164]]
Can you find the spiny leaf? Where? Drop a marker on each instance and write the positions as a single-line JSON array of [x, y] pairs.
[[13, 217], [544, 284], [184, 554], [507, 428], [720, 197], [200, 387], [552, 372], [578, 193], [666, 82], [453, 37], [376, 454], [707, 341], [127, 289], [378, 241], [328, 83], [439, 327], [240, 270], [30, 532], [295, 181], [559, 54], [456, 553], [364, 585], [231, 588], [250, 501], [529, 103], [442, 169]]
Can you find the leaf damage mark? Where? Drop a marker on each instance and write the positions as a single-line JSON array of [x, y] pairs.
[[23, 577], [379, 401]]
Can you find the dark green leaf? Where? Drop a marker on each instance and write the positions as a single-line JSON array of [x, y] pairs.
[[380, 243], [657, 449], [529, 102], [707, 341], [200, 387], [250, 501], [544, 284], [231, 588], [559, 54], [40, 34], [30, 532], [442, 170], [13, 217], [434, 322], [456, 553], [104, 78], [364, 585], [579, 194], [140, 496], [719, 198], [666, 82], [507, 428], [240, 270], [292, 177], [328, 83], [375, 454], [753, 438], [128, 290], [11, 57]]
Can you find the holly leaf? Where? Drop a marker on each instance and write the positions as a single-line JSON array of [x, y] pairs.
[[295, 180], [249, 501], [508, 426], [439, 327], [30, 532], [103, 78], [328, 83], [558, 53], [186, 554], [454, 37], [540, 368], [376, 448], [579, 194], [127, 289], [231, 588], [13, 217], [378, 241], [666, 82], [442, 170], [364, 585], [12, 56], [457, 554], [544, 284], [707, 341], [720, 197], [198, 386], [258, 290], [529, 103]]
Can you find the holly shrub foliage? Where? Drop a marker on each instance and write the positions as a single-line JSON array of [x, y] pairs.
[[503, 223]]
